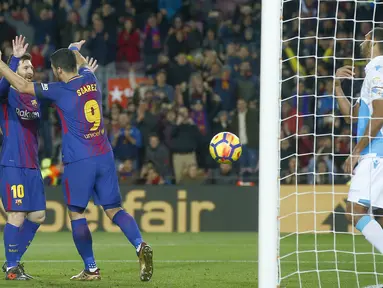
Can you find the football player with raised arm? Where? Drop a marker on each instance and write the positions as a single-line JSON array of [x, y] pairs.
[[366, 189], [89, 170], [21, 184]]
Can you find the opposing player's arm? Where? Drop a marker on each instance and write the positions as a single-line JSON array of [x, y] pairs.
[[350, 113]]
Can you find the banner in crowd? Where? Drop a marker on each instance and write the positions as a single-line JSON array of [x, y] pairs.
[[321, 208], [303, 208], [165, 209], [121, 89]]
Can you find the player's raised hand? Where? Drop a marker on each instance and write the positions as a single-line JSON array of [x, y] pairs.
[[78, 44], [19, 46], [92, 64], [342, 73]]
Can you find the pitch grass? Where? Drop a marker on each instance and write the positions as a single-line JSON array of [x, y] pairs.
[[201, 260]]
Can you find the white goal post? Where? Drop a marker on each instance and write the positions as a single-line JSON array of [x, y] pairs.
[[269, 144], [305, 238]]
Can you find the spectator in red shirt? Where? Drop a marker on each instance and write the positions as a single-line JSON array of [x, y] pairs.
[[129, 43], [38, 60]]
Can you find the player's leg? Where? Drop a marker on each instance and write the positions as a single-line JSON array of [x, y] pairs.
[[108, 195], [77, 186], [35, 191], [28, 230], [13, 204], [364, 190]]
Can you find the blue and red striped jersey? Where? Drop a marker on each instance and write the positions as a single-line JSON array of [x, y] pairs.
[[19, 122], [79, 105]]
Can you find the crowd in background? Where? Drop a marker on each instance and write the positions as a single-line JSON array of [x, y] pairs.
[[202, 61], [320, 37]]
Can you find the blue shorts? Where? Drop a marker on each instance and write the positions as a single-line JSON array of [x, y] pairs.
[[94, 177], [22, 189]]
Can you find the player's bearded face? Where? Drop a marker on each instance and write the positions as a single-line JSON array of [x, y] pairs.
[[25, 70]]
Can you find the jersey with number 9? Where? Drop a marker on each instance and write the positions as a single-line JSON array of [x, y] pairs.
[[79, 105]]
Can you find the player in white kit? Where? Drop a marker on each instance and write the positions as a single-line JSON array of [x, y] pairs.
[[366, 189]]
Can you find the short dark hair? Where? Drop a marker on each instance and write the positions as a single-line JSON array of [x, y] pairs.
[[65, 59], [26, 56]]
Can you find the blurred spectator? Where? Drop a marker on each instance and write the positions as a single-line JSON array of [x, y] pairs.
[[38, 60], [146, 122], [169, 7], [127, 140], [150, 176], [305, 146], [225, 88], [177, 44], [43, 22], [210, 41], [242, 126], [221, 123], [248, 84], [129, 43], [21, 24], [224, 175], [191, 175], [179, 72], [127, 173], [153, 42], [194, 36], [291, 122], [69, 29], [102, 46], [163, 90], [7, 33], [185, 140], [81, 9], [158, 155], [322, 173]]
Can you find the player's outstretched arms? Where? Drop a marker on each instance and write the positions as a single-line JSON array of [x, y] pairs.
[[344, 104], [22, 85], [19, 49], [76, 47]]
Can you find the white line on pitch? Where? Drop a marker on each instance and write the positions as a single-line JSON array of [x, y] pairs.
[[198, 244], [189, 261]]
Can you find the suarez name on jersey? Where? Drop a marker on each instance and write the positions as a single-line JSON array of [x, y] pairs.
[[19, 121], [79, 105]]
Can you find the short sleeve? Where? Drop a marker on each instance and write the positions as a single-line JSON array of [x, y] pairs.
[[50, 91], [376, 88], [84, 70]]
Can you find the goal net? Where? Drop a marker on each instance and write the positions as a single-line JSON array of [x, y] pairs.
[[318, 247]]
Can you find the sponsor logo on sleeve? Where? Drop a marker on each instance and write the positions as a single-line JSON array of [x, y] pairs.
[[44, 86]]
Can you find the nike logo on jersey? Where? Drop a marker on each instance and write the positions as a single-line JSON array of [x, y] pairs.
[[376, 163]]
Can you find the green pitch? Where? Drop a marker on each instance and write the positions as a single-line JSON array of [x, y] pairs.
[[198, 260]]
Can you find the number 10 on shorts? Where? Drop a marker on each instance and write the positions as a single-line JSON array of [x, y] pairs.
[[18, 191]]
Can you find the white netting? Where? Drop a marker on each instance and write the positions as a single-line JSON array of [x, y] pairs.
[[318, 247]]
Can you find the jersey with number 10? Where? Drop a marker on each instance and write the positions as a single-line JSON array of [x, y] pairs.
[[78, 104]]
